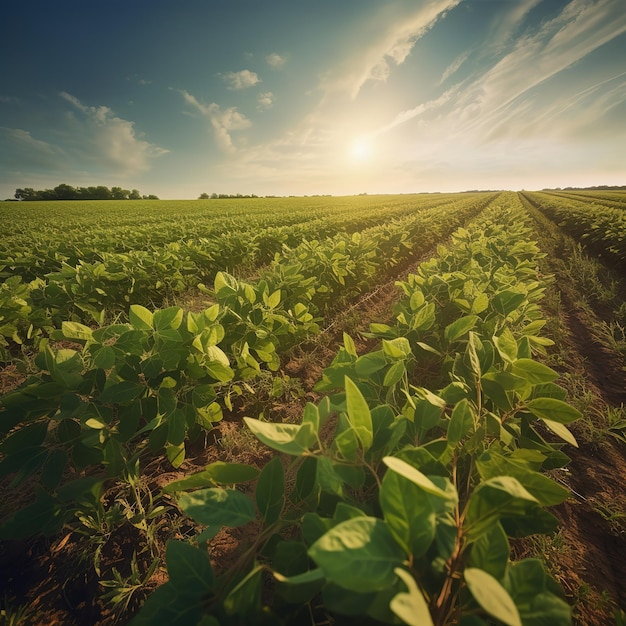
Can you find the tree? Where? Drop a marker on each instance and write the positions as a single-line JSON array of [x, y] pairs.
[[134, 195], [204, 196]]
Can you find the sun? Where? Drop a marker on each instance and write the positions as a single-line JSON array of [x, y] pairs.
[[361, 149]]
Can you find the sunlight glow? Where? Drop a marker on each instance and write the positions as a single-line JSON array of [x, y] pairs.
[[361, 149]]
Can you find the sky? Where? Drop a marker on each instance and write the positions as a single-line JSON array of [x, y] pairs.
[[303, 97]]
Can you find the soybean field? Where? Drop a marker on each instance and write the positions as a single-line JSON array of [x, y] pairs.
[[384, 409]]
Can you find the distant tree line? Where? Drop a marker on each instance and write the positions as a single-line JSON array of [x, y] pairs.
[[67, 192], [224, 196], [594, 188]]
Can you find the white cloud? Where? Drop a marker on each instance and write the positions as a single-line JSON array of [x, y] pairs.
[[265, 101], [275, 60], [392, 47], [9, 100], [102, 137], [453, 67], [241, 80], [223, 121], [20, 150]]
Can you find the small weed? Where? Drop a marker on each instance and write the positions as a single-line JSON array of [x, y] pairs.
[[122, 589], [13, 615]]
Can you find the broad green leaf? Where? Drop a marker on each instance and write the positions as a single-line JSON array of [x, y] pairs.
[[562, 431], [492, 596], [189, 569], [507, 301], [415, 476], [370, 363], [170, 318], [460, 327], [175, 454], [534, 372], [140, 317], [410, 515], [217, 354], [359, 554], [553, 410], [411, 606], [348, 344], [490, 552], [104, 357], [506, 345], [359, 414], [292, 439], [218, 472], [218, 507], [394, 374], [245, 599], [461, 422], [74, 330], [120, 393], [494, 498], [270, 491], [398, 348]]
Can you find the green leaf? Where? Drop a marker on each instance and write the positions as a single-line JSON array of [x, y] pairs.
[[394, 374], [409, 515], [534, 372], [175, 454], [398, 348], [104, 357], [492, 596], [270, 491], [490, 552], [461, 422], [506, 345], [553, 410], [359, 414], [218, 507], [292, 439], [415, 476], [74, 330], [410, 607], [189, 569], [170, 318], [348, 344], [140, 317], [121, 393], [370, 363], [218, 472], [562, 431], [507, 301], [359, 555], [460, 327], [245, 598]]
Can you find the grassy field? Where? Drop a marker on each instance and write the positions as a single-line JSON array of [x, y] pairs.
[[373, 409]]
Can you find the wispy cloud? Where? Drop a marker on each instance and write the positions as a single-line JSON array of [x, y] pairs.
[[453, 67], [241, 80], [497, 102], [275, 60], [9, 100], [223, 121], [265, 100], [19, 149], [97, 134], [392, 47]]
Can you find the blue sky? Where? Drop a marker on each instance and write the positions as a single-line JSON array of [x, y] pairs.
[[301, 97]]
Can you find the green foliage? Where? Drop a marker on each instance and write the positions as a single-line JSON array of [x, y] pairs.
[[403, 514]]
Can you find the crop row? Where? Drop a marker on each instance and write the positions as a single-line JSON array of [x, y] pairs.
[[614, 199], [38, 243], [101, 290], [601, 229], [399, 499], [165, 376]]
